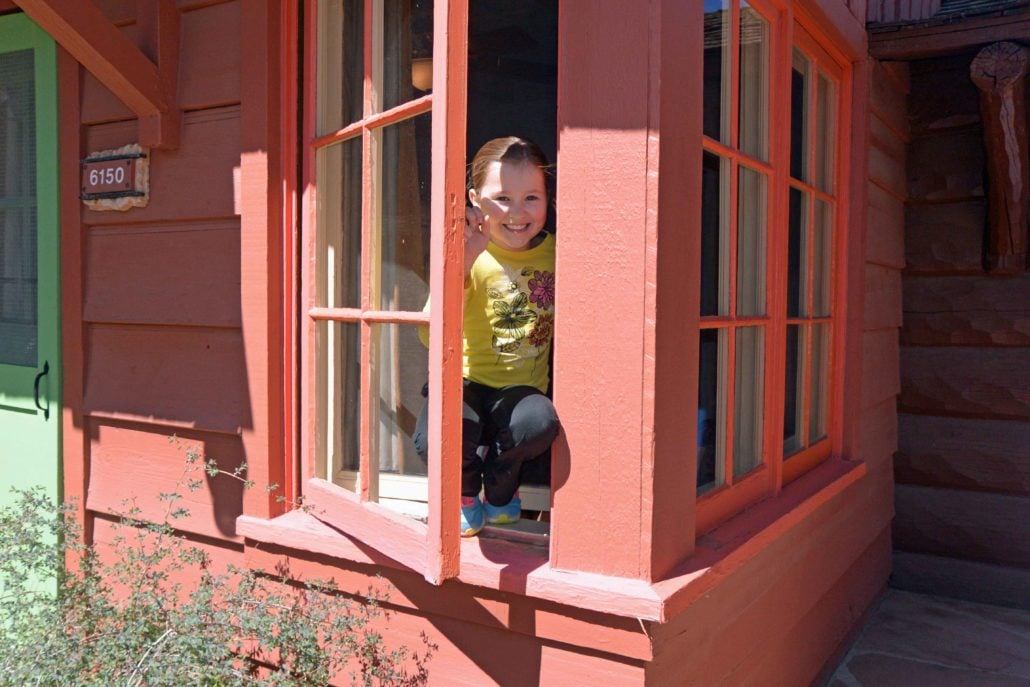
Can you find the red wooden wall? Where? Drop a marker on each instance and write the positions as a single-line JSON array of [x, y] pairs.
[[963, 467]]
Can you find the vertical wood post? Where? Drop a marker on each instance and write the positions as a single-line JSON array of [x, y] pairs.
[[998, 71]]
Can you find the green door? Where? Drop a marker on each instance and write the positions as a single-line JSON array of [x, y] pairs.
[[30, 353]]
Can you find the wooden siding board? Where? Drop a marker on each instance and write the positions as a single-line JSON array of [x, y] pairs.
[[970, 580], [980, 526], [179, 376], [970, 382], [882, 297], [885, 228], [945, 238], [879, 433], [118, 480], [179, 274], [880, 376], [785, 581], [886, 172], [982, 455], [970, 310], [197, 181], [888, 102]]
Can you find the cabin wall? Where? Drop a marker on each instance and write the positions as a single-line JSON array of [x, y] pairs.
[[963, 466], [812, 587], [155, 311]]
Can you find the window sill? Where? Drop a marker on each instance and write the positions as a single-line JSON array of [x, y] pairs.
[[522, 568]]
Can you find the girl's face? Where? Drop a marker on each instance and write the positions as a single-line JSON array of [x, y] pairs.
[[513, 200]]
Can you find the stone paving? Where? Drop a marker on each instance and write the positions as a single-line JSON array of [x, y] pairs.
[[914, 640]]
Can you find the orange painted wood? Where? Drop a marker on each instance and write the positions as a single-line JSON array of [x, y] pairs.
[[260, 208], [948, 38], [887, 172], [880, 369], [887, 100], [984, 583], [878, 434], [136, 274], [446, 286], [159, 31], [780, 585], [397, 537], [958, 453], [978, 526], [843, 34], [180, 377], [74, 446], [967, 311], [117, 484], [945, 238], [209, 64], [882, 297], [673, 237], [602, 245], [198, 181], [967, 382], [408, 592], [884, 228], [87, 34], [827, 630]]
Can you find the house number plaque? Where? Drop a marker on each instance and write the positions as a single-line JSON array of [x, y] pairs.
[[116, 179]]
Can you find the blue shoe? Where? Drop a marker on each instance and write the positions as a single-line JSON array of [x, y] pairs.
[[472, 519], [504, 515]]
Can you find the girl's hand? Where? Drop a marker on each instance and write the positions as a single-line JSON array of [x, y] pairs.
[[475, 236]]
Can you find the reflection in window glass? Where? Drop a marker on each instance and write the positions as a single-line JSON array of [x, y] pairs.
[[820, 382], [404, 214], [717, 69], [748, 408], [710, 411], [714, 195], [401, 363], [341, 64], [407, 50], [339, 225], [754, 82], [337, 389], [751, 224], [824, 144], [797, 253], [799, 84], [821, 255], [794, 400]]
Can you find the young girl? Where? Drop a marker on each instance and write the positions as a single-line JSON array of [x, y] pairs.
[[509, 319]]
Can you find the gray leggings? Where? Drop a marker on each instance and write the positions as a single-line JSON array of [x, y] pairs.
[[501, 430]]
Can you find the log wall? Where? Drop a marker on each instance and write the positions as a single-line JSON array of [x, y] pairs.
[[963, 465]]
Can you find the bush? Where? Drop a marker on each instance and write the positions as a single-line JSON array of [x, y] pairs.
[[151, 610]]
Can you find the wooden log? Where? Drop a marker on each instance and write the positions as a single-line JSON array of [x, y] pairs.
[[998, 71], [959, 453], [970, 381], [944, 238], [966, 310], [978, 526], [946, 166], [942, 576]]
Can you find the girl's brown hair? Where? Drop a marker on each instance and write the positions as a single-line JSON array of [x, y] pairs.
[[508, 149]]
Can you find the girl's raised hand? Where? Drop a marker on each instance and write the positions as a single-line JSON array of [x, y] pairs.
[[475, 236]]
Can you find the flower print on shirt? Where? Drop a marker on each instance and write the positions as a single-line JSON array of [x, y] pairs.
[[542, 330], [541, 289], [512, 318]]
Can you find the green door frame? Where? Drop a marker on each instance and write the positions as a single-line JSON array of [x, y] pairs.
[[30, 439]]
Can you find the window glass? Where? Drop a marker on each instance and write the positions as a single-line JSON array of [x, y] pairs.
[[754, 82], [751, 223], [339, 225], [337, 389], [717, 69], [402, 364], [403, 214], [407, 51], [793, 395], [747, 417], [799, 85], [711, 410], [341, 65], [824, 138], [714, 196], [797, 253], [820, 378], [821, 256]]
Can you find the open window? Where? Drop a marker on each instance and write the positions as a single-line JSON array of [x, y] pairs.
[[768, 202]]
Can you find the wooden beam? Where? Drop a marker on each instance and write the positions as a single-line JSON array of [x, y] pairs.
[[83, 30], [932, 41], [158, 24], [999, 71]]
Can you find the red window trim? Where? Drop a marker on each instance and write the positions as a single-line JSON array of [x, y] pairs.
[[790, 27]]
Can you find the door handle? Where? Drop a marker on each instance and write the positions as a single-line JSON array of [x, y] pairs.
[[35, 389]]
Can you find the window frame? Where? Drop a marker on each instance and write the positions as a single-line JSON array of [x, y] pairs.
[[790, 29], [431, 548]]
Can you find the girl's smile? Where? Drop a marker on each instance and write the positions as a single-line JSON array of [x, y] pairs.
[[513, 199]]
